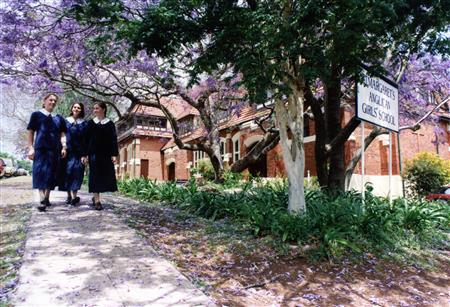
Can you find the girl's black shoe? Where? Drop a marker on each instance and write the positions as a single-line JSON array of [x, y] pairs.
[[75, 201], [98, 206], [69, 200], [42, 206], [47, 202]]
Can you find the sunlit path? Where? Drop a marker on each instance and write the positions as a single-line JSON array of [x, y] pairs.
[[81, 257]]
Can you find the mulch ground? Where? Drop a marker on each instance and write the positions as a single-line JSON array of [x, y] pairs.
[[237, 269]]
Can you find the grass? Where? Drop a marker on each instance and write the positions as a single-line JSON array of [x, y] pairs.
[[13, 234]]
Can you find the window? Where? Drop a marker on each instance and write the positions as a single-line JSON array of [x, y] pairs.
[[185, 126], [198, 155], [306, 127], [155, 123], [222, 148], [236, 150]]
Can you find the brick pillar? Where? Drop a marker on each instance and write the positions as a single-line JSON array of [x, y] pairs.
[[137, 158], [228, 149]]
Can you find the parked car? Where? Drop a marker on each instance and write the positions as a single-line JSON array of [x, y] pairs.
[[21, 172], [443, 193], [9, 169], [2, 167]]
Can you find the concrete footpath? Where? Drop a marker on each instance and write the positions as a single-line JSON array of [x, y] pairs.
[[81, 257]]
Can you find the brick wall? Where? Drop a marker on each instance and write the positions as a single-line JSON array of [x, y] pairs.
[[376, 155], [150, 149], [411, 143], [181, 159], [132, 152]]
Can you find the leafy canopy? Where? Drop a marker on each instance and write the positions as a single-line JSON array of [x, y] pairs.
[[259, 37]]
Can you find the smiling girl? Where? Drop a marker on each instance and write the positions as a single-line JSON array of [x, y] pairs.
[[102, 151], [46, 146], [74, 163]]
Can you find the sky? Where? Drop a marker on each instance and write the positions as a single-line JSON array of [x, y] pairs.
[[15, 108]]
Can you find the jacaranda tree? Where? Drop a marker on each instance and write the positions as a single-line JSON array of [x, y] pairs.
[[45, 49]]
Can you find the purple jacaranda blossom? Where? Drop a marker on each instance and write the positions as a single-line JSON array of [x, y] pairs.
[[43, 64], [211, 83]]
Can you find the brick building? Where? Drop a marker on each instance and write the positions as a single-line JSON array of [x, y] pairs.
[[147, 148], [142, 135]]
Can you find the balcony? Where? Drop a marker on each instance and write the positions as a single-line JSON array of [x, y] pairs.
[[150, 123]]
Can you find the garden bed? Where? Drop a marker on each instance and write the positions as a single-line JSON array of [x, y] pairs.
[[249, 251], [238, 269]]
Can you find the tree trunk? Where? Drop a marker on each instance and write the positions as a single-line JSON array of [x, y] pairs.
[[333, 121], [290, 116], [217, 165], [321, 139]]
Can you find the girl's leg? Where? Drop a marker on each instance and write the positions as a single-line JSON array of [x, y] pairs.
[[47, 198], [75, 199], [42, 204], [98, 204], [41, 195], [96, 197], [69, 197]]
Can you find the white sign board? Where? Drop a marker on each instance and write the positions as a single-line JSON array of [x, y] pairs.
[[377, 101]]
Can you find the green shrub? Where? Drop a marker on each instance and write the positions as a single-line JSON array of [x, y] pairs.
[[426, 172], [231, 180], [335, 223], [204, 168]]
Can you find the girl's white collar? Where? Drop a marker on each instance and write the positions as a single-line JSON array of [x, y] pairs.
[[71, 120], [103, 121], [46, 113]]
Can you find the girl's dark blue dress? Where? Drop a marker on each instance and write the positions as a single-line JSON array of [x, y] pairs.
[[47, 148], [101, 146], [74, 169]]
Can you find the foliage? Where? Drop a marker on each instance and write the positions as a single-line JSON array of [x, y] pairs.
[[75, 58], [426, 172], [4, 154], [204, 168], [231, 180], [25, 164], [335, 224]]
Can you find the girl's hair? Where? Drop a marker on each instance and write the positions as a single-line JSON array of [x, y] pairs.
[[102, 105], [82, 114], [48, 95]]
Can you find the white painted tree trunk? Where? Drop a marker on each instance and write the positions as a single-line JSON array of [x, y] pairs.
[[289, 115]]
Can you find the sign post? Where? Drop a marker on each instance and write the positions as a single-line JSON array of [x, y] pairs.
[[377, 103], [363, 160], [390, 167]]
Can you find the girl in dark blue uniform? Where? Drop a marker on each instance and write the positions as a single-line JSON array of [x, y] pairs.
[[46, 144], [74, 163], [102, 151]]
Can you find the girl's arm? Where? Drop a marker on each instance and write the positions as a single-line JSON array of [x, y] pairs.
[[115, 147], [30, 144], [64, 145], [86, 133]]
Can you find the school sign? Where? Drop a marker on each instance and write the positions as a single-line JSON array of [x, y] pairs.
[[377, 101]]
